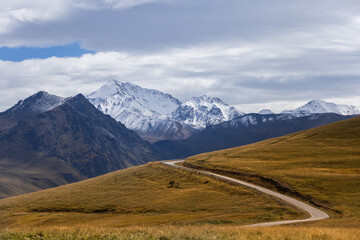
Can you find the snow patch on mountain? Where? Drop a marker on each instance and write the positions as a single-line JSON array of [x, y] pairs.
[[202, 111], [37, 103], [254, 119], [319, 106], [114, 96]]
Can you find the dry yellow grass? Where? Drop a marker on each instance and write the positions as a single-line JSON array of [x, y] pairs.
[[147, 195], [322, 164], [158, 202], [183, 232]]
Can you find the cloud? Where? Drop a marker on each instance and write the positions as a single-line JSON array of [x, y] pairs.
[[250, 76], [148, 25], [113, 4], [16, 13], [252, 53]]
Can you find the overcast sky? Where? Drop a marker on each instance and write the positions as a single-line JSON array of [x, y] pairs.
[[253, 54]]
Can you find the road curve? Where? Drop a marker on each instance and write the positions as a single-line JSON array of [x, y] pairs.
[[316, 214]]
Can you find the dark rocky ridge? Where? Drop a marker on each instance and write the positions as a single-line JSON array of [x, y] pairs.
[[70, 142], [37, 103], [243, 130]]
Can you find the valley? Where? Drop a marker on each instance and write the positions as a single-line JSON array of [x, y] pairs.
[[98, 174], [179, 120], [47, 140]]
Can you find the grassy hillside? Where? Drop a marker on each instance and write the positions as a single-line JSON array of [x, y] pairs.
[[321, 165], [154, 201], [187, 232], [147, 195], [19, 177]]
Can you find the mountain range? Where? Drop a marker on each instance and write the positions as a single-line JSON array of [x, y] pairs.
[[319, 106], [155, 115], [47, 141]]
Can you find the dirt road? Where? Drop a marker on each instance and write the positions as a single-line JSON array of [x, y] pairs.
[[316, 214]]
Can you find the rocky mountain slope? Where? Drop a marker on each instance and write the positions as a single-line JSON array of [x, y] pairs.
[[70, 142], [37, 103]]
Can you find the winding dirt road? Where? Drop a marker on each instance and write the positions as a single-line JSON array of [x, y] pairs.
[[316, 214]]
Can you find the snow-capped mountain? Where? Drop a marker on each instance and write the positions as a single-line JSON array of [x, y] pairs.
[[202, 111], [266, 112], [319, 106], [37, 103], [126, 101], [146, 111], [155, 115]]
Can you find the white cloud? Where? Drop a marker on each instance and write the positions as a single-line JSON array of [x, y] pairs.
[[251, 76], [264, 54], [112, 4], [15, 13]]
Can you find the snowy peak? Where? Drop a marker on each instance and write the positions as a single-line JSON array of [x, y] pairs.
[[202, 111], [116, 97], [319, 106], [139, 109], [154, 114], [266, 112], [204, 101], [37, 103]]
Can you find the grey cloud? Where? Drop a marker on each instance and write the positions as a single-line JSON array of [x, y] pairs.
[[251, 53], [183, 23]]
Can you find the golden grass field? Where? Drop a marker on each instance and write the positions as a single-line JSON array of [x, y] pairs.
[[155, 201], [147, 195], [183, 232], [322, 164]]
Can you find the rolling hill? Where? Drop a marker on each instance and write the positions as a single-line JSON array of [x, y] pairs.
[[320, 165], [154, 201], [147, 195]]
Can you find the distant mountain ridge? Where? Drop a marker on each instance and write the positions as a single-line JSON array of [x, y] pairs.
[[155, 115], [158, 116], [243, 130], [319, 106]]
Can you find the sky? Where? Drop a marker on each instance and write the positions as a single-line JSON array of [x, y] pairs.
[[253, 54]]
